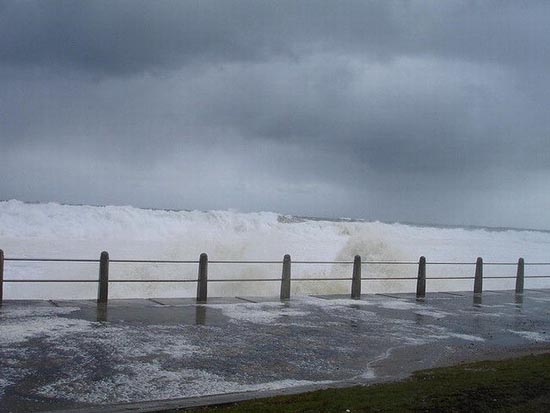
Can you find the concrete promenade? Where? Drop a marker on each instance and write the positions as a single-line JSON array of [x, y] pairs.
[[73, 354]]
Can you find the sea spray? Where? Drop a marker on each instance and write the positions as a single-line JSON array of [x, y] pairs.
[[64, 231]]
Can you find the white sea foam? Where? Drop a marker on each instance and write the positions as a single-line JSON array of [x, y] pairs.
[[264, 313], [53, 230], [532, 335], [467, 337], [149, 381], [390, 304], [432, 313], [20, 324]]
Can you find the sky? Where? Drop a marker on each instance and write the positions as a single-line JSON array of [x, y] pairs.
[[412, 111]]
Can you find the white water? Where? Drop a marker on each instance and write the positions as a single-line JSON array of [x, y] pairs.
[[63, 231]]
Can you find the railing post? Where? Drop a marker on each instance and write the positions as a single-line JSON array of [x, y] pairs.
[[356, 278], [1, 276], [202, 282], [421, 280], [478, 280], [103, 290], [285, 279], [520, 276]]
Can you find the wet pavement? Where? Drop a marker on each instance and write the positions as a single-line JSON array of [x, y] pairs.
[[69, 354]]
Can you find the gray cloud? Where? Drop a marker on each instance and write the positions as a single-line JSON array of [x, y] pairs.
[[134, 36], [417, 111]]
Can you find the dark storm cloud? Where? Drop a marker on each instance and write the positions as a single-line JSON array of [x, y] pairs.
[[132, 36], [118, 37], [337, 108]]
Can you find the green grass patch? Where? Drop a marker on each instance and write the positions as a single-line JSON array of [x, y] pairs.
[[516, 385]]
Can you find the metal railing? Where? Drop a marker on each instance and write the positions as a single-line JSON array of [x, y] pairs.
[[202, 280]]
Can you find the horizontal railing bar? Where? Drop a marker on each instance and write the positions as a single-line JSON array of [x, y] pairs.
[[449, 263], [324, 262], [259, 261], [243, 262], [51, 259], [154, 261], [502, 277], [469, 263], [49, 281], [501, 263], [265, 279], [153, 281], [217, 280], [390, 279], [451, 278], [270, 279], [321, 279], [390, 262]]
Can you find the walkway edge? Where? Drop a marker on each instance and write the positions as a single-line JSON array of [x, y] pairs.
[[218, 399]]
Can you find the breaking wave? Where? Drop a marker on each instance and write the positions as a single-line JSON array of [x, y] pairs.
[[65, 231]]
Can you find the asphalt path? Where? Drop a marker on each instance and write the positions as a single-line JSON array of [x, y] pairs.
[[57, 355]]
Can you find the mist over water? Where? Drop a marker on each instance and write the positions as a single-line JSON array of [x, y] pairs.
[[64, 231]]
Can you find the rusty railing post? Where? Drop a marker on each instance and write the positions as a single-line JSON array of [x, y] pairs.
[[520, 276], [103, 288], [356, 278], [421, 280], [202, 281], [285, 278], [478, 280]]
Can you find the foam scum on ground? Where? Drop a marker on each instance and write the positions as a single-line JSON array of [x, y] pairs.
[[71, 354]]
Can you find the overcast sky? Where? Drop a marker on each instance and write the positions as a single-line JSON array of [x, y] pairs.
[[428, 111]]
